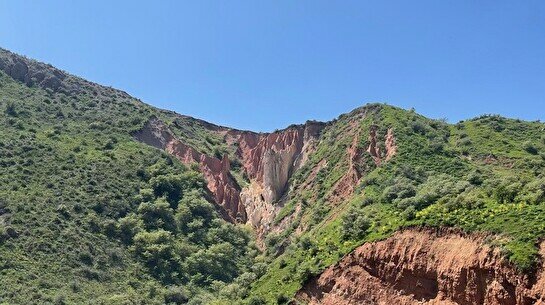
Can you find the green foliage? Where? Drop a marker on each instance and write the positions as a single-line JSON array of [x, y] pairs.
[[530, 148], [354, 225], [476, 175], [90, 216], [10, 110]]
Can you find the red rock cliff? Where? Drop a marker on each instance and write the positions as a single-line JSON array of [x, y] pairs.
[[425, 267], [225, 191], [268, 159]]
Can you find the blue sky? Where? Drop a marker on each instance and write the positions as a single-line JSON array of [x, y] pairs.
[[264, 65]]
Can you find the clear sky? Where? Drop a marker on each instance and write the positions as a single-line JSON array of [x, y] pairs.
[[264, 65]]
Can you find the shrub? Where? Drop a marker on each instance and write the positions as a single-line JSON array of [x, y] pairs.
[[128, 227], [11, 110], [282, 299], [530, 148], [466, 201], [475, 178], [175, 295], [418, 127], [401, 189], [464, 142], [257, 300], [354, 225], [437, 146], [157, 215], [157, 251], [506, 191], [533, 192], [409, 213]]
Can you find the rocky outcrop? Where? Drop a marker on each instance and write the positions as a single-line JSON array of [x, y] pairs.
[[381, 155], [268, 160], [24, 71], [426, 267], [223, 187], [34, 73], [346, 185], [356, 167]]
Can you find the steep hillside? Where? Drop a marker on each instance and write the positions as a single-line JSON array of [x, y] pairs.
[[425, 267], [88, 215], [107, 200], [379, 169]]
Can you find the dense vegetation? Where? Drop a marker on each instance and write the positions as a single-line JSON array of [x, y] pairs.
[[90, 216], [485, 174]]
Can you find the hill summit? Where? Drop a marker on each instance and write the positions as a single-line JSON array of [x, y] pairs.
[[107, 200]]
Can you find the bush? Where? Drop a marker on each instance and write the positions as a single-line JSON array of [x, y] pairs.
[[257, 300], [475, 178], [354, 225], [402, 188], [282, 299], [11, 110], [468, 201], [437, 146], [128, 227], [464, 142], [175, 295], [157, 215], [409, 213], [157, 250], [530, 148], [506, 191], [533, 192], [418, 127]]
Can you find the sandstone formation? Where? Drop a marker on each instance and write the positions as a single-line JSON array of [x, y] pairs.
[[426, 266], [224, 189], [355, 154], [375, 150], [268, 160]]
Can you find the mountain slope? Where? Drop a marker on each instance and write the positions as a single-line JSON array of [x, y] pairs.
[[88, 214], [107, 200], [484, 174]]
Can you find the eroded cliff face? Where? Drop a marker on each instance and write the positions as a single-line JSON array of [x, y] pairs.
[[426, 267], [381, 155], [268, 161], [223, 187], [356, 154]]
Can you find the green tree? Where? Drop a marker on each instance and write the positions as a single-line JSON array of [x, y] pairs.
[[158, 252], [157, 215]]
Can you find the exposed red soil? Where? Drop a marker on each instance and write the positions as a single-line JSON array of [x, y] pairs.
[[271, 158], [425, 266], [355, 154], [268, 160], [223, 187]]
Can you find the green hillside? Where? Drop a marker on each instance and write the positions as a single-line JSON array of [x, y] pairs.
[[89, 215], [485, 174]]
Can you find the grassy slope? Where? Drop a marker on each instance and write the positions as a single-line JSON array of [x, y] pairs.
[[70, 171], [452, 182]]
